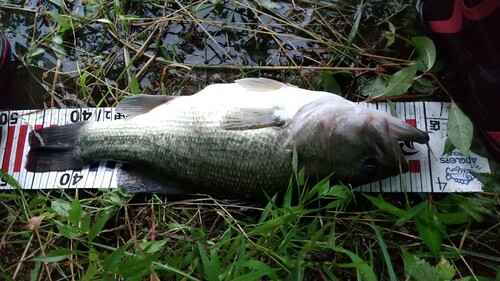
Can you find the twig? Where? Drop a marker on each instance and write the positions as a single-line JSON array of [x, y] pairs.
[[23, 256], [54, 82], [145, 67], [126, 58], [11, 224]]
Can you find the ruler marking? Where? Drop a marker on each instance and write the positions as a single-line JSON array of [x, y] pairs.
[[47, 122], [431, 182], [8, 148], [31, 177], [20, 148], [52, 177], [2, 146], [24, 177]]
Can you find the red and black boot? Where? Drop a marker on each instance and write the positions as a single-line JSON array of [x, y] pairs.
[[5, 57], [469, 33]]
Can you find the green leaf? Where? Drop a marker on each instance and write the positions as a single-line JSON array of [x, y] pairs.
[[388, 207], [85, 223], [83, 83], [448, 147], [56, 255], [374, 87], [392, 108], [420, 270], [134, 85], [426, 50], [58, 47], [63, 22], [430, 229], [355, 24], [271, 5], [424, 85], [454, 218], [329, 83], [390, 36], [35, 272], [5, 276], [75, 213], [210, 266], [365, 272], [93, 255], [456, 209], [135, 267], [260, 270], [36, 201], [491, 182], [445, 270], [33, 53], [10, 180], [459, 129], [151, 247], [417, 269], [385, 253], [399, 83], [90, 272], [66, 230], [60, 207], [113, 260], [272, 224], [96, 228]]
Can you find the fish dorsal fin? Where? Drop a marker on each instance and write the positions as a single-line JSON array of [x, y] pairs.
[[260, 84], [251, 118], [140, 104]]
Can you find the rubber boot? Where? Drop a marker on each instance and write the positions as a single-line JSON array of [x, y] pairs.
[[5, 58], [468, 31]]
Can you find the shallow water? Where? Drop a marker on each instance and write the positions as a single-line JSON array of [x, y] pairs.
[[195, 45]]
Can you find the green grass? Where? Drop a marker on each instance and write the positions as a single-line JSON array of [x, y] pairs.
[[109, 49], [326, 232]]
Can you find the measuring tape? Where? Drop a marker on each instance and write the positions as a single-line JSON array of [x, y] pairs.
[[429, 172]]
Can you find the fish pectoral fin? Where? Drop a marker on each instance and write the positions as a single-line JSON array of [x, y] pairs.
[[251, 118], [260, 84], [140, 104]]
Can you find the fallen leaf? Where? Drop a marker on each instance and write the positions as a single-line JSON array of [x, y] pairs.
[[34, 222]]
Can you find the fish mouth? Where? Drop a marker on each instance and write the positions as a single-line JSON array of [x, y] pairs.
[[391, 155], [386, 134]]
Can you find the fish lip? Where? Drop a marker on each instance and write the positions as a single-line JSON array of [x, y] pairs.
[[386, 143]]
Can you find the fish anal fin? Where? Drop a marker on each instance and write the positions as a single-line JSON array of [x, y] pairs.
[[251, 118], [140, 104], [136, 180]]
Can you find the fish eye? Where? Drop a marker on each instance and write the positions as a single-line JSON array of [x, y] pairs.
[[370, 167]]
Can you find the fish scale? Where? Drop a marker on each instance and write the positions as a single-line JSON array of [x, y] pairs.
[[198, 159]]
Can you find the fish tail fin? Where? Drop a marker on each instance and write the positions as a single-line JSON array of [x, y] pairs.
[[52, 148]]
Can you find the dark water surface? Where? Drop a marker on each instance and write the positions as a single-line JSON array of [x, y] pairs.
[[195, 44]]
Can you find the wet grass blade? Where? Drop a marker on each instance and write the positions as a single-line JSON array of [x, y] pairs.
[[211, 265], [385, 253]]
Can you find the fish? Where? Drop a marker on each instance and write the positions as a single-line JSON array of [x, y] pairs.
[[233, 140]]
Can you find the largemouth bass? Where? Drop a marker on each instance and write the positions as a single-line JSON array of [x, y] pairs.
[[234, 140]]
